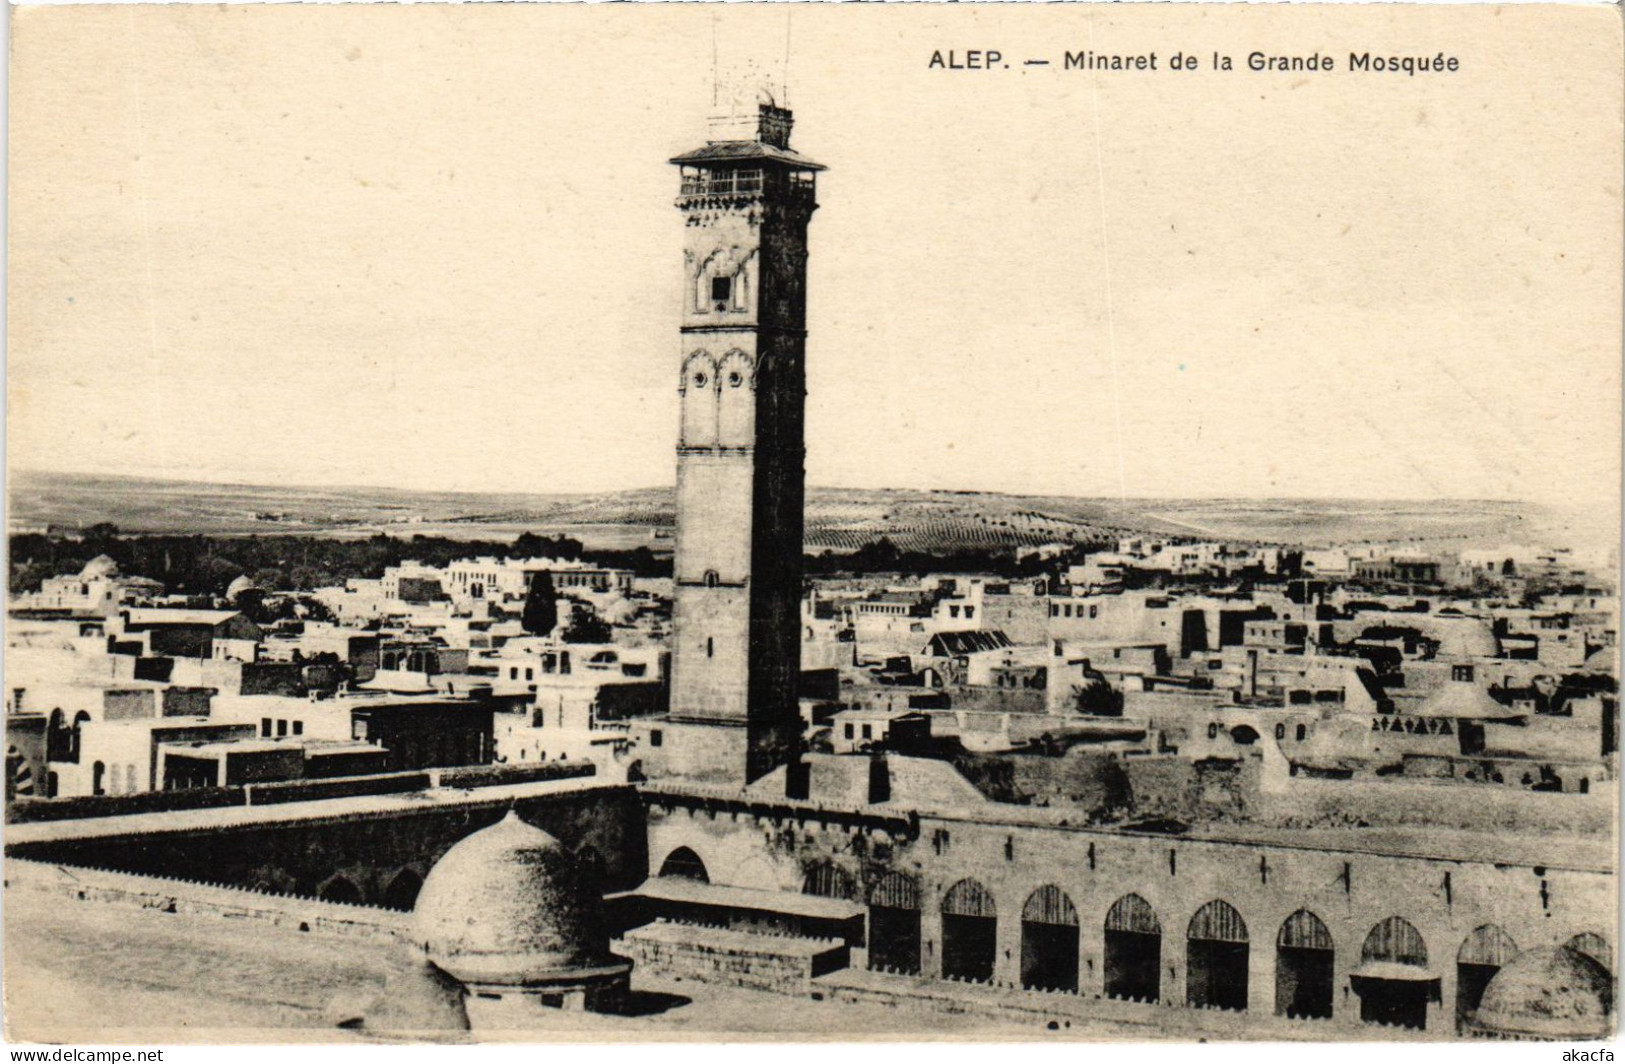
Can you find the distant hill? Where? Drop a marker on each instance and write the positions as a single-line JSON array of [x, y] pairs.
[[839, 519]]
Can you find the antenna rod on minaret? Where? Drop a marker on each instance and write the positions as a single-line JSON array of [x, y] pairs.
[[714, 86], [784, 80]]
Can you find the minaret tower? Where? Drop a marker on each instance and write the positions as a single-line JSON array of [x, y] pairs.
[[746, 198]]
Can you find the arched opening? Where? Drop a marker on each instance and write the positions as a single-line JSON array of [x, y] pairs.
[[80, 719], [402, 891], [97, 784], [1133, 950], [684, 863], [1049, 941], [894, 924], [1594, 946], [1393, 980], [58, 741], [830, 880], [1303, 968], [340, 890], [1244, 735], [1216, 958], [970, 927], [1481, 955]]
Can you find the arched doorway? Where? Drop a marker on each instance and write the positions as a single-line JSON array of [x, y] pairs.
[[1481, 955], [80, 719], [1049, 941], [894, 924], [970, 927], [402, 891], [1393, 979], [340, 890], [1594, 946], [830, 880], [1133, 950], [684, 863], [1303, 968], [1216, 958]]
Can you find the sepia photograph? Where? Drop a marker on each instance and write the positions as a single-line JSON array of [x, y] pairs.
[[800, 522]]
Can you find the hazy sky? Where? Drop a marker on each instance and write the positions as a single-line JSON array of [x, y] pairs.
[[436, 247]]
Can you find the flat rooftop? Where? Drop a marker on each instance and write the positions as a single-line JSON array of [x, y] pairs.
[[194, 820]]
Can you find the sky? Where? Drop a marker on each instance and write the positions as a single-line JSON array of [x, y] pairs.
[[436, 248]]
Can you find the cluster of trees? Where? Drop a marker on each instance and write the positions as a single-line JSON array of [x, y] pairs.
[[884, 556], [540, 615], [206, 565]]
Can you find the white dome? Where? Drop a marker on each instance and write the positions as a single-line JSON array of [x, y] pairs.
[[509, 905]]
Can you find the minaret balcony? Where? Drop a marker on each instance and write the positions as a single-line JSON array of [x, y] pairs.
[[719, 187]]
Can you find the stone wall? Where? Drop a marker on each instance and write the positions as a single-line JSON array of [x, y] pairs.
[[781, 964], [1012, 854], [203, 899], [372, 852]]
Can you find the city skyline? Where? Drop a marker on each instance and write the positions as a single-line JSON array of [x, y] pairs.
[[1376, 294], [739, 760]]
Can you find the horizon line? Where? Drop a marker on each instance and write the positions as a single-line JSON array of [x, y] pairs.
[[237, 482]]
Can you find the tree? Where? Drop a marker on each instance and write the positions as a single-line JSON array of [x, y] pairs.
[[587, 627], [541, 613]]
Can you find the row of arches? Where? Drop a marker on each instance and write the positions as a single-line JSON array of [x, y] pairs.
[[400, 890], [1392, 979]]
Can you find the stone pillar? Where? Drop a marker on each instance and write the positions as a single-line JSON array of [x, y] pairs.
[[1007, 952], [930, 936], [1442, 1013], [1171, 987], [1091, 964], [1345, 1001], [1261, 978]]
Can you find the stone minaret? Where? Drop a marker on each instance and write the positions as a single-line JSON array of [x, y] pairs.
[[746, 198]]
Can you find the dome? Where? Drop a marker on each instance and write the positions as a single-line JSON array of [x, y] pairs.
[[419, 1000], [1464, 700], [1603, 659], [510, 906], [238, 586], [1550, 993], [100, 567]]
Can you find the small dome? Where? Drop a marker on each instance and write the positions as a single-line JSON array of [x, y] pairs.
[[239, 585], [1603, 659], [1551, 993], [509, 905], [1464, 700], [99, 568]]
